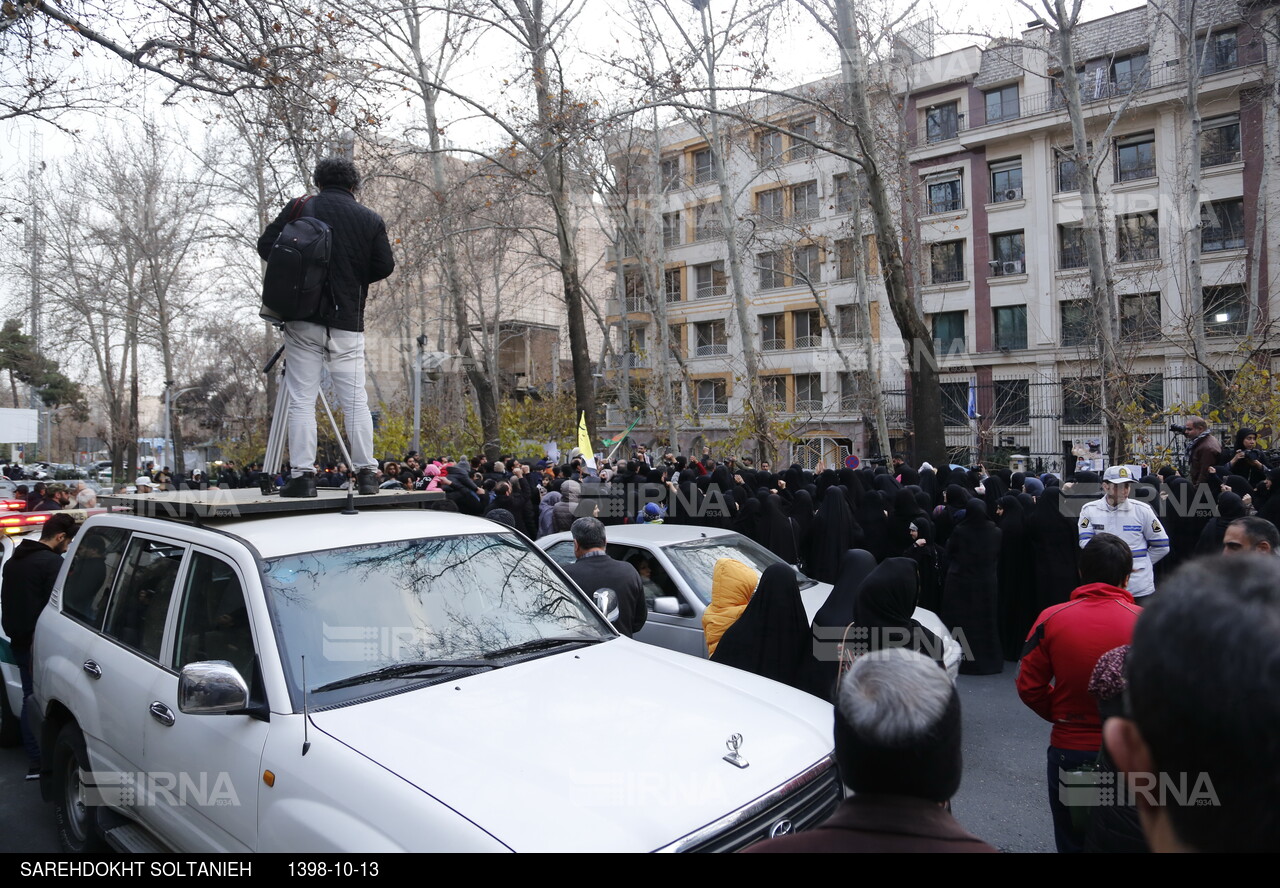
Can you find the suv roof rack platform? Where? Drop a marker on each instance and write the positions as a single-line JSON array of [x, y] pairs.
[[217, 503]]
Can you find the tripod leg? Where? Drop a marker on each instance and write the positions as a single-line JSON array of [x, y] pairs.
[[278, 434], [346, 454]]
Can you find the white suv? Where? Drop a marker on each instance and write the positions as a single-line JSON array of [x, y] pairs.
[[401, 679]]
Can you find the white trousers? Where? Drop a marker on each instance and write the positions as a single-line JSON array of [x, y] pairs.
[[308, 349]]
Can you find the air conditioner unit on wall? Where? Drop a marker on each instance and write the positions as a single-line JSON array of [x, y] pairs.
[[1014, 267], [1013, 194]]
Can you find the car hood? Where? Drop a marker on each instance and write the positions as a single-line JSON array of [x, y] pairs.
[[614, 747]]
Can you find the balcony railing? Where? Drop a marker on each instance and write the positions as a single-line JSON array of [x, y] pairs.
[[1053, 101], [1072, 257], [811, 341], [711, 349], [808, 405], [945, 205], [1218, 158], [708, 406], [773, 344], [947, 274]]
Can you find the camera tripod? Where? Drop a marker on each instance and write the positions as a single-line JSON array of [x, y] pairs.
[[279, 432]]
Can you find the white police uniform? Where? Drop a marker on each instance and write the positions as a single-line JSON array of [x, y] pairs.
[[1135, 523]]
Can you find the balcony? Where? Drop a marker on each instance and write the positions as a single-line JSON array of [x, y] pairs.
[[945, 205], [712, 407], [808, 405], [1072, 257]]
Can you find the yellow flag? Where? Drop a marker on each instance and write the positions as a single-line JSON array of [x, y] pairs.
[[584, 440]]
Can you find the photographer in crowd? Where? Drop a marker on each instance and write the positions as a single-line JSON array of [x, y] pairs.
[[1246, 459]]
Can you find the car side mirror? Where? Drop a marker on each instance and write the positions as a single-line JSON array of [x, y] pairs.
[[211, 687], [670, 606], [607, 601]]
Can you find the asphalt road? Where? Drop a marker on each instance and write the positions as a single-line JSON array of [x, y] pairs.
[[1002, 798]]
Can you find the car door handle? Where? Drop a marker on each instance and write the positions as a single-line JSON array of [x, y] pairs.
[[94, 670], [162, 713]]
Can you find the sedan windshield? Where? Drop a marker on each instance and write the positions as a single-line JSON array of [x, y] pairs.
[[696, 560], [360, 610]]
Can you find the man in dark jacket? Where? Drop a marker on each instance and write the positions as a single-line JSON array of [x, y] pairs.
[[595, 570], [28, 580], [1204, 451], [360, 255], [897, 742]]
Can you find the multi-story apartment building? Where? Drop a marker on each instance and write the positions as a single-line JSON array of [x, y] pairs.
[[993, 243]]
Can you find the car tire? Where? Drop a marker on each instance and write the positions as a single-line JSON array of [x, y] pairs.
[[77, 822], [10, 727]]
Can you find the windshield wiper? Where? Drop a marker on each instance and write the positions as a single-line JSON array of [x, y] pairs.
[[405, 670], [539, 644]]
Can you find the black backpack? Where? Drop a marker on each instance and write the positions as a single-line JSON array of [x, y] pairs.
[[297, 275]]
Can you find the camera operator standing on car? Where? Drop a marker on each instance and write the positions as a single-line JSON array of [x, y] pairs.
[[1247, 459], [1203, 449]]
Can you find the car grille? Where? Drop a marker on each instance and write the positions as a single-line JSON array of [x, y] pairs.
[[805, 801]]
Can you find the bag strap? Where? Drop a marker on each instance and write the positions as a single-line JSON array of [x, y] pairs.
[[298, 206]]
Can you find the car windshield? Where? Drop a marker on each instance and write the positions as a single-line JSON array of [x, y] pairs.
[[696, 560], [356, 610]]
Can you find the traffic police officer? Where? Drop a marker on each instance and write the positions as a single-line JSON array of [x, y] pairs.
[[1132, 521]]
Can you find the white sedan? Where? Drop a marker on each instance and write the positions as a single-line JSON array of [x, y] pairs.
[[681, 560]]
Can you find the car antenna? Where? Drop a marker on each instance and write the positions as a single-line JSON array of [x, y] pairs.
[[306, 717]]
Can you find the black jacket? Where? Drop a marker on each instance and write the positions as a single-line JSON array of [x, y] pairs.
[[361, 253], [601, 572], [28, 580]]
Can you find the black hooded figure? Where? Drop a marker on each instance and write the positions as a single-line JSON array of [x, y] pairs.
[[802, 516], [776, 531], [885, 606], [1230, 507], [1055, 542], [930, 561], [836, 613], [969, 594], [772, 637], [834, 533], [1017, 578]]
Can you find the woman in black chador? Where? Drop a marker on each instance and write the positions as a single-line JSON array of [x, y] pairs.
[[969, 594]]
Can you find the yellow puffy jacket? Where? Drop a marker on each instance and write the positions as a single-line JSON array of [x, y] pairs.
[[732, 584]]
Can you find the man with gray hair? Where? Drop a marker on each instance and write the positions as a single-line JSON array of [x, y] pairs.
[[897, 738], [1251, 534], [594, 570]]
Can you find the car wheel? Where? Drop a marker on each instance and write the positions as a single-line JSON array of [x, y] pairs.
[[77, 822], [10, 728]]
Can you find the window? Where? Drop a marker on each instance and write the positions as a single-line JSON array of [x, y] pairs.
[[712, 396], [672, 230], [675, 339], [1222, 53], [711, 339], [808, 328], [1226, 311], [955, 403], [775, 391], [942, 122], [1222, 225], [1071, 252], [1140, 317], [214, 624], [137, 612], [1220, 141], [772, 335], [92, 570], [769, 148], [706, 222], [1010, 326], [673, 284], [844, 192], [1002, 103], [1006, 181], [1148, 392], [804, 200], [703, 168], [946, 262], [670, 173], [808, 392], [633, 289], [1068, 177], [1008, 254], [770, 206], [948, 332], [849, 323], [1077, 327], [1129, 73], [1137, 237], [807, 128], [851, 388], [808, 267], [943, 194], [1079, 404], [770, 268], [845, 269], [709, 280], [1011, 402], [1135, 157]]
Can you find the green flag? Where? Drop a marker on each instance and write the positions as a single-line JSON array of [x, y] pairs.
[[611, 442]]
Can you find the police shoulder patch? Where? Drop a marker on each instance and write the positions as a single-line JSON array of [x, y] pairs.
[[1084, 522], [1155, 527]]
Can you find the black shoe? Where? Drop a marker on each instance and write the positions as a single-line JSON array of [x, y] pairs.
[[367, 482], [267, 485], [33, 773], [300, 486]]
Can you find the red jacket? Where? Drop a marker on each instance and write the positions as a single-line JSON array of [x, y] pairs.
[[1061, 650]]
